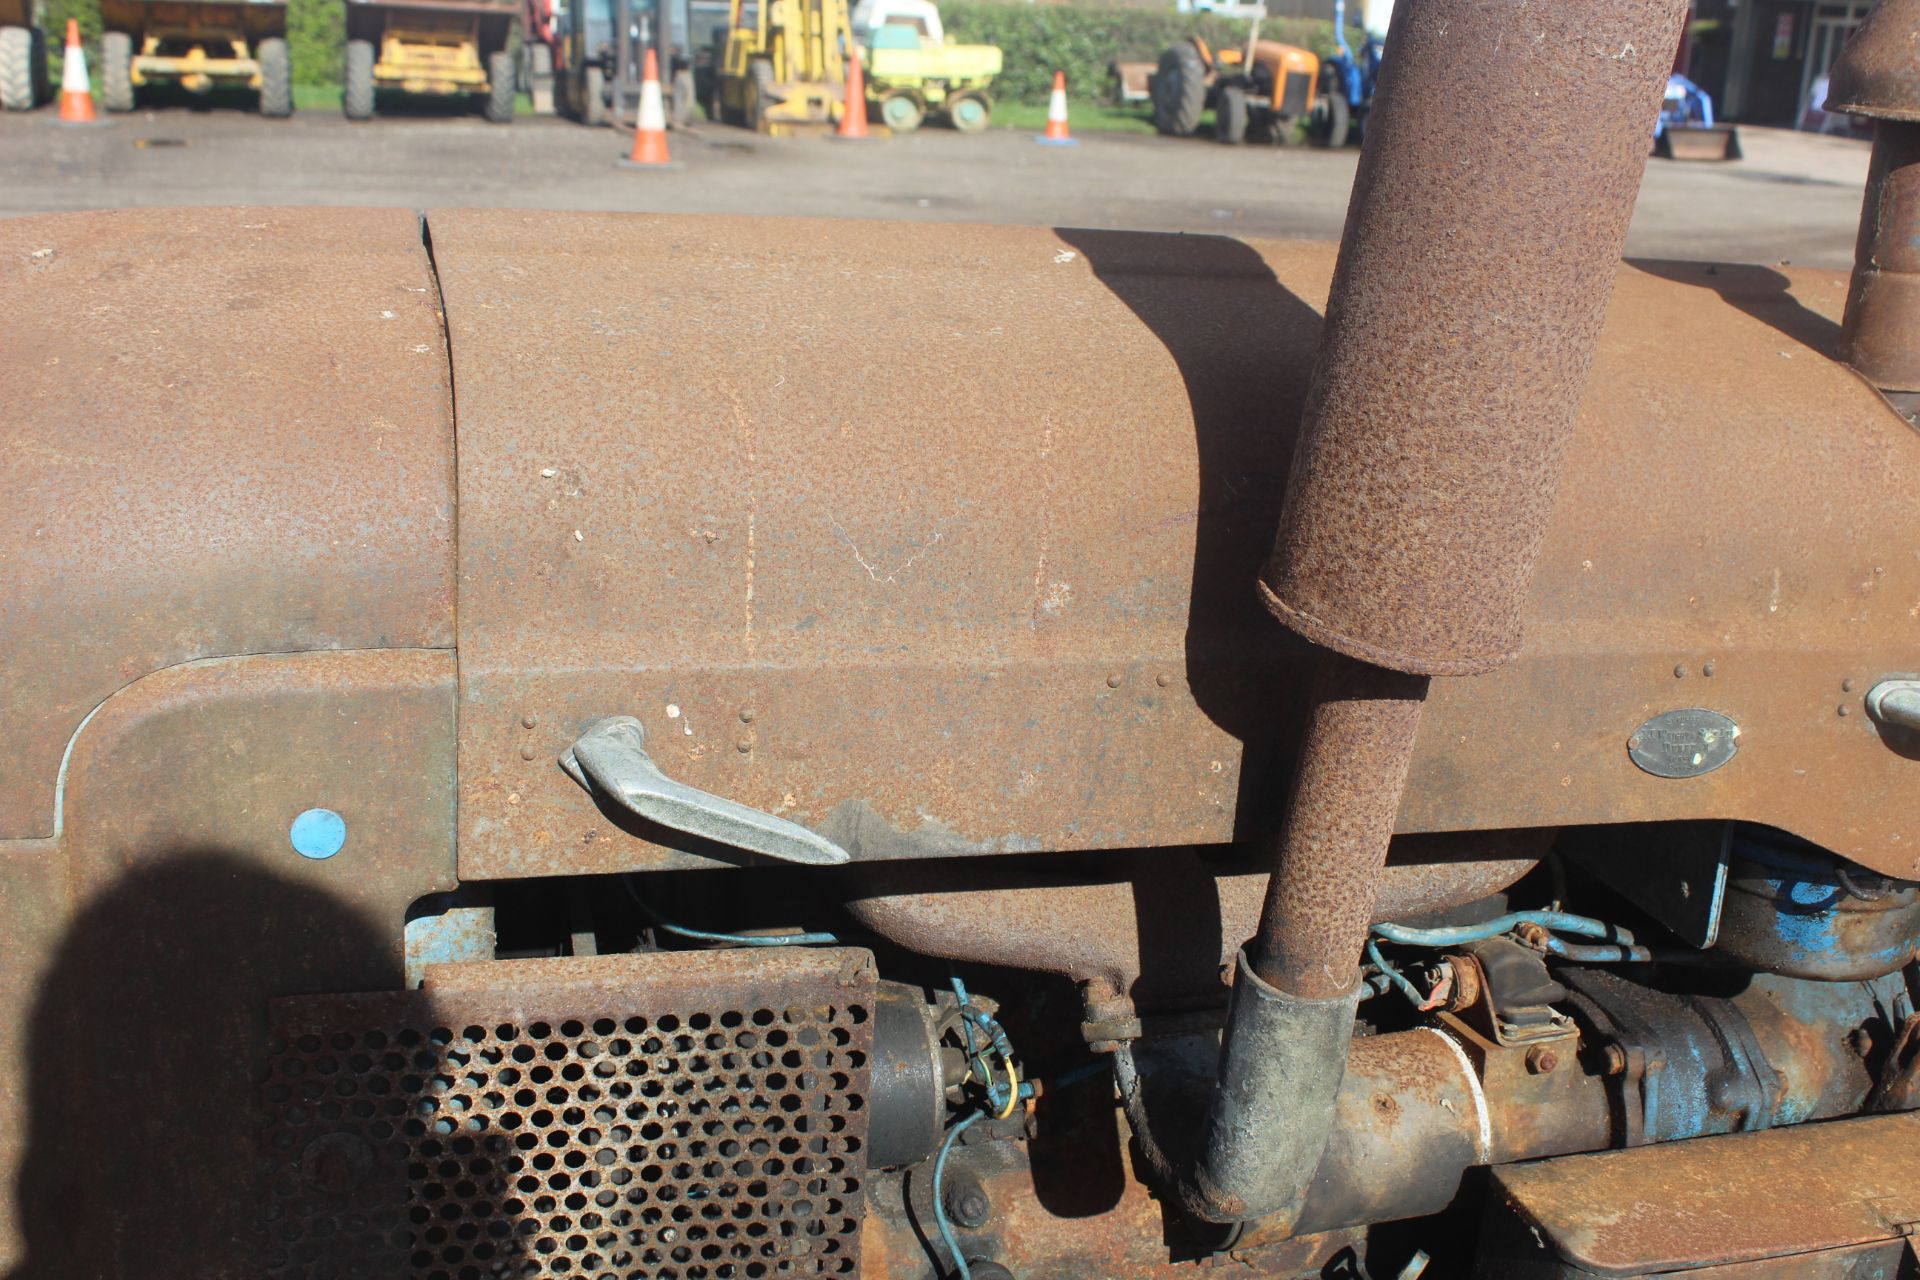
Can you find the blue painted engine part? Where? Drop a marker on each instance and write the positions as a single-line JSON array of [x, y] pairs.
[[1778, 1051], [1793, 909]]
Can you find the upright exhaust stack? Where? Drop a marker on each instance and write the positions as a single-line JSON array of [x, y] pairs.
[[1878, 76], [1503, 155]]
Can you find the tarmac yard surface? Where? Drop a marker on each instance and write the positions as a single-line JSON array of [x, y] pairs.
[[1796, 197]]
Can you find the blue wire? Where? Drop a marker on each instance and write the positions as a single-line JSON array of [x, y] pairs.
[[1394, 976], [730, 939], [1561, 921], [960, 1267]]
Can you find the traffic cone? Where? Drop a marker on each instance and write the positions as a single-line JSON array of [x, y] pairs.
[[853, 113], [76, 91], [1057, 134], [650, 129]]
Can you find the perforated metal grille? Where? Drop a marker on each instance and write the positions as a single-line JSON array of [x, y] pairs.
[[543, 1134]]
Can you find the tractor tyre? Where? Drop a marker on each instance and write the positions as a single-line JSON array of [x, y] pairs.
[[38, 74], [500, 87], [276, 79], [16, 69], [593, 97], [969, 112], [1330, 122], [357, 100], [116, 71], [680, 107], [1230, 116], [1179, 91], [760, 101], [901, 112]]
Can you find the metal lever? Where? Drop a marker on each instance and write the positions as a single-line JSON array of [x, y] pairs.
[[610, 759], [1895, 702]]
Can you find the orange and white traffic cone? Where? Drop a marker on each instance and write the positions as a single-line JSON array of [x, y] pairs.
[[853, 113], [650, 128], [76, 91], [1057, 134]]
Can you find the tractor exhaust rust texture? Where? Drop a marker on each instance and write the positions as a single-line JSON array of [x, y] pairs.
[[1437, 419], [1502, 160], [1878, 76]]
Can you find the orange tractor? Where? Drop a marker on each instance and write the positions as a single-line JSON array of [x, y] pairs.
[[1266, 90]]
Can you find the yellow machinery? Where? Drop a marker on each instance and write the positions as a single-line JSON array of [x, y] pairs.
[[197, 46], [23, 57], [782, 64], [461, 47]]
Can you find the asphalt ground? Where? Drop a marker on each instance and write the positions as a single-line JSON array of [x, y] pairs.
[[1795, 197]]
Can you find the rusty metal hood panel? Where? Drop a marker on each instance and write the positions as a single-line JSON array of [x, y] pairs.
[[944, 539], [224, 432], [934, 539]]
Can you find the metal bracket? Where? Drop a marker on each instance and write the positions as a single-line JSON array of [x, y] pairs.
[[610, 760]]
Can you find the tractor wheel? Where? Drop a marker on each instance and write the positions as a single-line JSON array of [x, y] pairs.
[[902, 112], [760, 101], [593, 97], [1179, 91], [357, 100], [276, 79], [1230, 116], [16, 69], [500, 86], [1330, 121], [969, 112], [116, 71], [680, 107]]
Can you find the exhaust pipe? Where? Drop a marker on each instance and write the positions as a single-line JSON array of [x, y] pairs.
[[1502, 159], [1878, 76]]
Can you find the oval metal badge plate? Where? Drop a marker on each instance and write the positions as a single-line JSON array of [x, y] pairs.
[[1684, 743]]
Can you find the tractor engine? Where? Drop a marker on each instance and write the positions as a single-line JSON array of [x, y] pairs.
[[540, 745]]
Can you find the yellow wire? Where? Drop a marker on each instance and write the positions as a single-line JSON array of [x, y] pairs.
[[1013, 1092]]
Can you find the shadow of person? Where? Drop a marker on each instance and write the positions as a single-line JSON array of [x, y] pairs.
[[1760, 292], [145, 1049]]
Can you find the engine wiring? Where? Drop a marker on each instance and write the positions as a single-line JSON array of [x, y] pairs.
[[988, 1056], [665, 925]]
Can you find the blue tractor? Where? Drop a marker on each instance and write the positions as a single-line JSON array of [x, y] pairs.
[[1346, 88]]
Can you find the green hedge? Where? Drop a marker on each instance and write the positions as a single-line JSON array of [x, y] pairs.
[[316, 30], [1084, 42]]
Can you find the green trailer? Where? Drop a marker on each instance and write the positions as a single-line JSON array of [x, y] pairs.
[[23, 57]]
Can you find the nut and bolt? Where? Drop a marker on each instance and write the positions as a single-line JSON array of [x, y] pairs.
[[1613, 1060], [1541, 1060], [966, 1203]]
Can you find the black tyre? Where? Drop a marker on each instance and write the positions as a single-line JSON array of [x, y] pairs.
[[680, 105], [16, 69], [500, 87], [276, 79], [37, 62], [761, 98], [593, 97], [1330, 122], [116, 71], [1230, 116], [1179, 91], [357, 100]]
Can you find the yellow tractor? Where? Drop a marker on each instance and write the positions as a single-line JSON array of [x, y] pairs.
[[23, 57], [448, 48], [196, 46], [781, 65]]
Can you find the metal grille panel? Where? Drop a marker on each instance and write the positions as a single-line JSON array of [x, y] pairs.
[[679, 1116]]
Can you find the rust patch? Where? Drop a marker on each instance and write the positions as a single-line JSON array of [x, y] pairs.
[[227, 431]]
